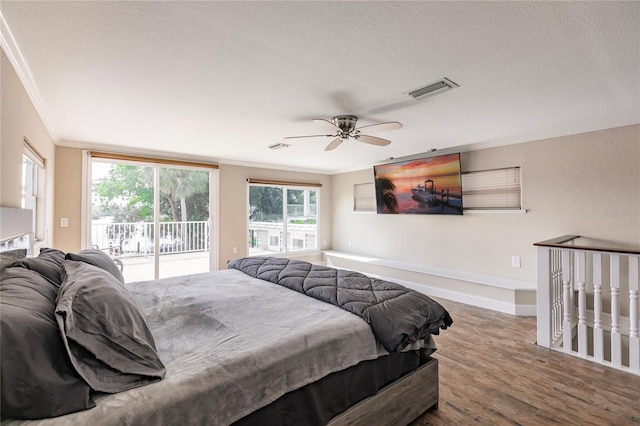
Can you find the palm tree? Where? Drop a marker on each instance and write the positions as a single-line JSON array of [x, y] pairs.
[[385, 194], [176, 186]]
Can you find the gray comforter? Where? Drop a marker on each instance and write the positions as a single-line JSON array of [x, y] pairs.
[[398, 316], [230, 344]]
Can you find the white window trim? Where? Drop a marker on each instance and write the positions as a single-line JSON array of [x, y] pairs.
[[495, 211], [214, 205], [39, 200]]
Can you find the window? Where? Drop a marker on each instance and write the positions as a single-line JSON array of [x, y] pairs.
[[33, 186], [364, 197], [497, 189], [282, 217]]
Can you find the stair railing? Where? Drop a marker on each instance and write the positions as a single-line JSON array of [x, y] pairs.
[[587, 301]]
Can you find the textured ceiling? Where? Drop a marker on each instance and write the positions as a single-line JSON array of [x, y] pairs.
[[223, 80]]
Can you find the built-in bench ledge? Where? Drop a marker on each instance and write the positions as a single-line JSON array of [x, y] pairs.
[[500, 294]]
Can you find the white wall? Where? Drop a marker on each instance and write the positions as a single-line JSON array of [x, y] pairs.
[[19, 119], [586, 184]]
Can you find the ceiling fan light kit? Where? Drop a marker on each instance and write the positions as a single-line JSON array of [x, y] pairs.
[[442, 85]]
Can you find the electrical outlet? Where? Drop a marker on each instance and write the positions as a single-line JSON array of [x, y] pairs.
[[349, 243], [64, 222], [515, 261], [235, 250]]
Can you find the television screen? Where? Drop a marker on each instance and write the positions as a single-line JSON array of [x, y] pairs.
[[422, 186]]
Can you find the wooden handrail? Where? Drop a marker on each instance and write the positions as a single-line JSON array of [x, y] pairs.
[[554, 242], [560, 242]]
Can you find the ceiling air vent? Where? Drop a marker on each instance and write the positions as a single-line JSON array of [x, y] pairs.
[[278, 146], [434, 88]]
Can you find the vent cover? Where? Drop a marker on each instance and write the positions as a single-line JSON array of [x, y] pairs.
[[434, 88]]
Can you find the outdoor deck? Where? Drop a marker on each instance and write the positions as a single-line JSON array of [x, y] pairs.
[[141, 268]]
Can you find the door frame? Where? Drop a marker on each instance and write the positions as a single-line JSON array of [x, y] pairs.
[[214, 213]]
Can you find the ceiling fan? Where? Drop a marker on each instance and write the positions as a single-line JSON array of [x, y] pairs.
[[344, 127]]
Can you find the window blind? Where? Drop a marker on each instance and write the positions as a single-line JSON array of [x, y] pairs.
[[283, 183], [33, 154], [497, 189], [151, 160], [364, 197]]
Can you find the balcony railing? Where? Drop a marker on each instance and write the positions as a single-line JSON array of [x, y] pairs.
[[130, 239], [302, 210]]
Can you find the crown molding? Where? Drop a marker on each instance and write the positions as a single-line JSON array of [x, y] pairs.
[[19, 63]]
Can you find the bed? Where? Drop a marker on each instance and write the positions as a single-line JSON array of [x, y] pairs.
[[268, 341]]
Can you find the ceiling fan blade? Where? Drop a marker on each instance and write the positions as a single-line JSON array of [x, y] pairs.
[[328, 125], [381, 127], [334, 144], [373, 140], [309, 136]]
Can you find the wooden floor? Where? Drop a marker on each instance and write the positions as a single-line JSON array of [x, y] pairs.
[[492, 373]]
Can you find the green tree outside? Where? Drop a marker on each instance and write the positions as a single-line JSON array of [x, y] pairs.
[[126, 193]]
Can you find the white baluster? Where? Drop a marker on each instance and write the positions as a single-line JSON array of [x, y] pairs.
[[557, 295], [616, 337], [634, 339], [582, 304], [567, 332], [552, 294], [598, 333]]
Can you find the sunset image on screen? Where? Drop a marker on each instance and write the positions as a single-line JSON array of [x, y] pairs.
[[421, 186]]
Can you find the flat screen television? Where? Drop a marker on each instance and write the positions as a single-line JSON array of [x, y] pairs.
[[421, 186]]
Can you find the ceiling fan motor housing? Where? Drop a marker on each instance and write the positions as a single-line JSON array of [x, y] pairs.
[[346, 123]]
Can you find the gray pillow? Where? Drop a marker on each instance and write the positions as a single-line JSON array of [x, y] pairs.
[[105, 331], [8, 257], [97, 258], [47, 264], [38, 379]]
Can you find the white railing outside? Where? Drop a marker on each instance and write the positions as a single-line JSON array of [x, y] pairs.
[[121, 238], [587, 302], [302, 210], [267, 237]]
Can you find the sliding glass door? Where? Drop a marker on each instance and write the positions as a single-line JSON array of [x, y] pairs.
[[154, 219], [184, 231], [122, 215]]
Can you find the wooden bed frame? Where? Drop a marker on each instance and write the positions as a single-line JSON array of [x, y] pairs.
[[397, 403]]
